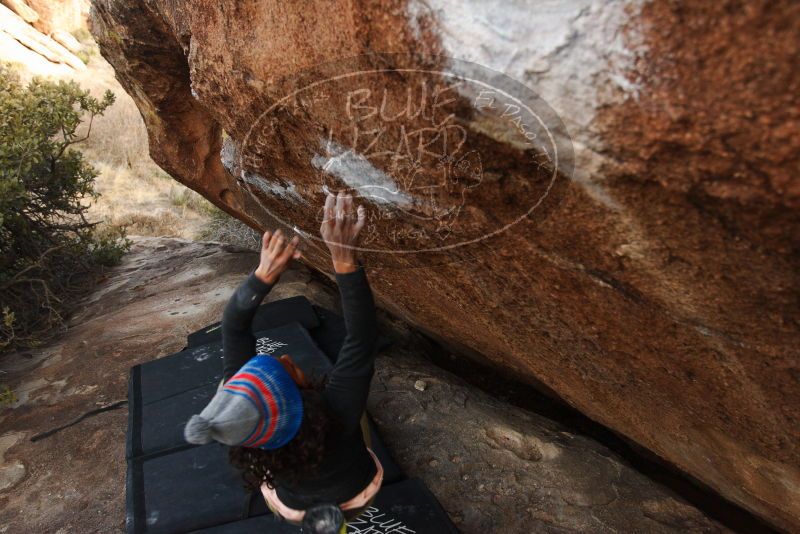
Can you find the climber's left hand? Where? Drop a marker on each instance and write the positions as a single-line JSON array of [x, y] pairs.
[[276, 254]]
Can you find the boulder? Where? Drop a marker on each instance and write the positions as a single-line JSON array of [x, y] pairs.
[[14, 52], [22, 9], [66, 40], [598, 197], [12, 26]]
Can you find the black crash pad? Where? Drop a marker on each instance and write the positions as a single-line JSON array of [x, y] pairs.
[[403, 508], [190, 368], [329, 333], [159, 406], [157, 427], [195, 487], [176, 487], [186, 490], [164, 393], [158, 379], [295, 340], [269, 315], [265, 524]]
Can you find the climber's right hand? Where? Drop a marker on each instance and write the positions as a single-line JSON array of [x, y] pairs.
[[340, 228], [275, 256]]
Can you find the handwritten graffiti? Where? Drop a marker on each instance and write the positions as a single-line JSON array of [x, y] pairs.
[[265, 345], [441, 158], [426, 171], [373, 521]]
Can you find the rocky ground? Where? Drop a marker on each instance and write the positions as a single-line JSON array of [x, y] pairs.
[[494, 467], [498, 468]]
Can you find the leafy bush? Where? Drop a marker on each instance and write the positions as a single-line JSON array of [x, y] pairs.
[[48, 249]]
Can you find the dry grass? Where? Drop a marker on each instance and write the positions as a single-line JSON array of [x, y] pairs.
[[134, 191], [148, 202], [222, 227]]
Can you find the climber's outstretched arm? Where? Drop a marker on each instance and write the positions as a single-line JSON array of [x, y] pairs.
[[348, 383], [238, 343]]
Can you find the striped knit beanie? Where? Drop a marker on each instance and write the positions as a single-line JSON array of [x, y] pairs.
[[259, 407]]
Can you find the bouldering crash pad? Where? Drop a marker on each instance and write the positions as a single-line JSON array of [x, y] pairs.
[[270, 315], [173, 486]]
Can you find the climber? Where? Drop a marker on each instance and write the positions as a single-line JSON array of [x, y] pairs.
[[303, 445]]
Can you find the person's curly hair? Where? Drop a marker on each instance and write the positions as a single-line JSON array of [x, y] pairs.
[[303, 454]]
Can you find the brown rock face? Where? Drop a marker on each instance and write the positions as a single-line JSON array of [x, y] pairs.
[[647, 272]]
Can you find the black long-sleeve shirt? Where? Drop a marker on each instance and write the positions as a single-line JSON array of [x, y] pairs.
[[347, 468]]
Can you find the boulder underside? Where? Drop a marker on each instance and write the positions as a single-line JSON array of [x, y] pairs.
[[646, 271]]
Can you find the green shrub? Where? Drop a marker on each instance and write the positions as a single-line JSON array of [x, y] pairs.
[[48, 249], [7, 396]]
